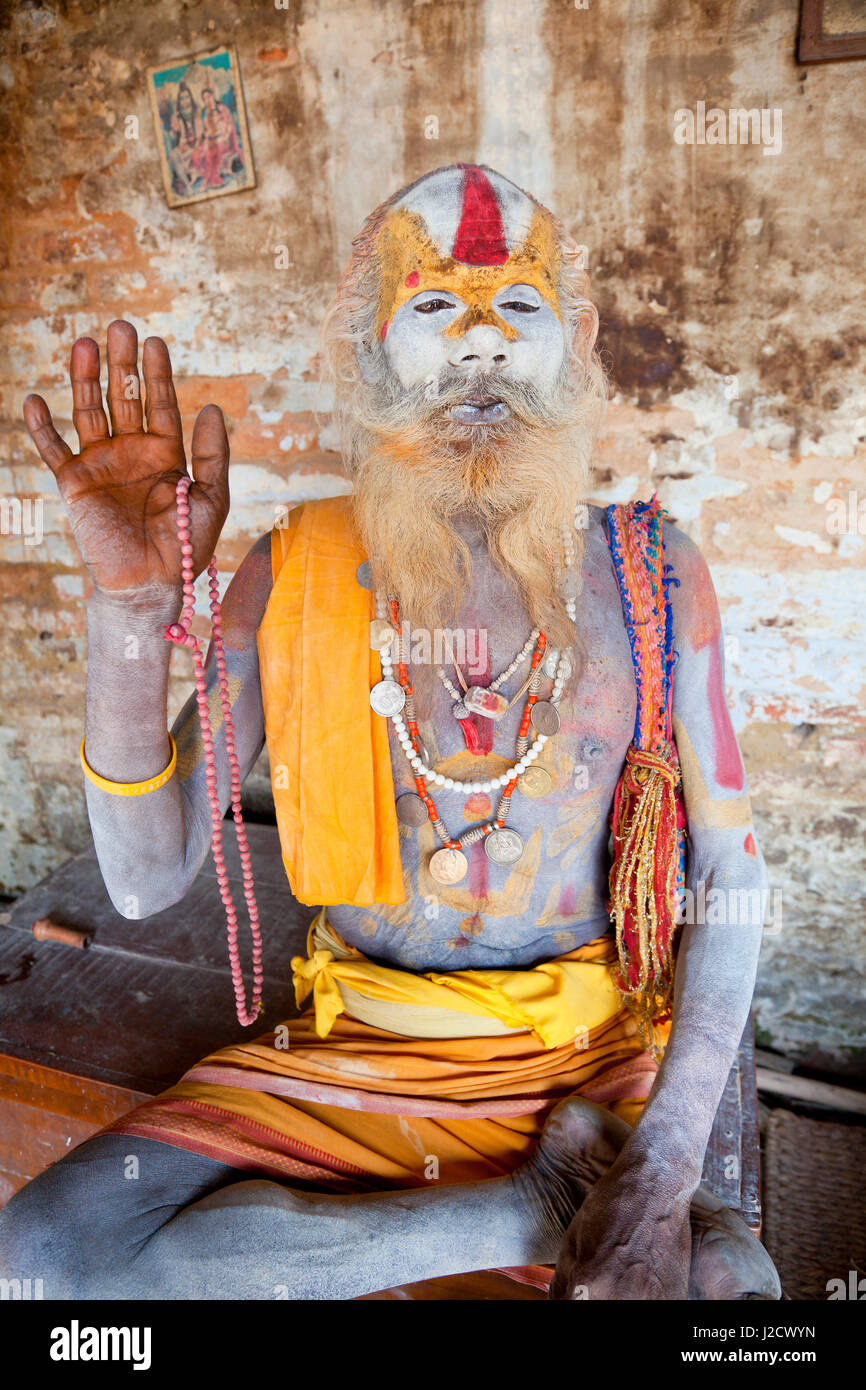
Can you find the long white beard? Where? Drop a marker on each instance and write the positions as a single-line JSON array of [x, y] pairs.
[[415, 471]]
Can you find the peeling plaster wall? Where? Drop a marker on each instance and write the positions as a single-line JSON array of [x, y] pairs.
[[730, 288]]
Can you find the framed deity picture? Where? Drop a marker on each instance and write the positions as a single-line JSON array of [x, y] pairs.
[[201, 127], [830, 30]]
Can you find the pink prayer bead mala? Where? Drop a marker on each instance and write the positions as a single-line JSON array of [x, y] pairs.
[[179, 634]]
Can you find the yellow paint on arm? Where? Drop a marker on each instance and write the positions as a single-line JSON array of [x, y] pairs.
[[190, 749], [705, 812]]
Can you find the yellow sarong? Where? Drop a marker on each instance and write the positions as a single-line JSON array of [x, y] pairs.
[[363, 1106], [333, 1101]]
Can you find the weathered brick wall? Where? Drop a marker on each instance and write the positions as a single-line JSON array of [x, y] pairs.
[[730, 288]]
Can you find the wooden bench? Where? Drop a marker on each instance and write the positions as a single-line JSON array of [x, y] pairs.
[[87, 1034]]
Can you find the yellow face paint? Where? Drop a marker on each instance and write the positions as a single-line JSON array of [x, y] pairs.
[[411, 264]]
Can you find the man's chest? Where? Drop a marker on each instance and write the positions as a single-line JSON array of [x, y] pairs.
[[489, 647], [513, 911]]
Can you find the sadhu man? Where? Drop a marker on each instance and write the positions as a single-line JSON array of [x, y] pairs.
[[467, 679]]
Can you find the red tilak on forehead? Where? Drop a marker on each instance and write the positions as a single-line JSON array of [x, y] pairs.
[[480, 237]]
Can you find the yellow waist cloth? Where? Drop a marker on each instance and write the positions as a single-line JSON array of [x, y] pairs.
[[558, 1001], [365, 1106]]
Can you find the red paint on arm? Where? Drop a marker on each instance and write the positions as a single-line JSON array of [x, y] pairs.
[[703, 625], [729, 765], [699, 624], [750, 847]]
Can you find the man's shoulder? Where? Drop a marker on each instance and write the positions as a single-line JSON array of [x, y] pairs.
[[680, 550], [684, 554], [313, 516], [592, 520]]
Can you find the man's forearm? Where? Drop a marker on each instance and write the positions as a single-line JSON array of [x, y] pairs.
[[714, 983], [151, 847], [140, 840], [127, 682]]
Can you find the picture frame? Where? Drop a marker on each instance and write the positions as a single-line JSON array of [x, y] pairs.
[[200, 126], [822, 38]]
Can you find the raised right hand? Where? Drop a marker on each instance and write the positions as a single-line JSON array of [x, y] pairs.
[[119, 491]]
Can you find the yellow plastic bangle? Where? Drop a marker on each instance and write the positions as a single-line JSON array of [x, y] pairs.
[[130, 788]]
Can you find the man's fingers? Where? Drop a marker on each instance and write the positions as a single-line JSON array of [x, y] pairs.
[[163, 416], [88, 417], [210, 453], [52, 449], [124, 390]]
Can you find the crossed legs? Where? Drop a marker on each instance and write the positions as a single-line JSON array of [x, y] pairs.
[[188, 1227]]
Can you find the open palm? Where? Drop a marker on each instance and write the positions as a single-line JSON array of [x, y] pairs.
[[119, 491]]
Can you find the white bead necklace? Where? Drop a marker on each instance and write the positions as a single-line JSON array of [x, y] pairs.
[[527, 758]]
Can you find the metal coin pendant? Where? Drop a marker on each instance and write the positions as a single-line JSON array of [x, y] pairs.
[[382, 634], [448, 865], [534, 782], [364, 575], [479, 700], [411, 809], [503, 846], [387, 697], [545, 717]]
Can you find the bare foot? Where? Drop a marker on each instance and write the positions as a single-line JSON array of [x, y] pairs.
[[579, 1143]]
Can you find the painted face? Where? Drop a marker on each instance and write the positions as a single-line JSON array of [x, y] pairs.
[[470, 267]]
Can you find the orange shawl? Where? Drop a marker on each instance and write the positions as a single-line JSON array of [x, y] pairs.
[[330, 764]]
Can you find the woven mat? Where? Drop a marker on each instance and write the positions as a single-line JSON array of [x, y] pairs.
[[814, 1207]]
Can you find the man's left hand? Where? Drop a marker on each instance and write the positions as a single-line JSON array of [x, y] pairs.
[[631, 1238]]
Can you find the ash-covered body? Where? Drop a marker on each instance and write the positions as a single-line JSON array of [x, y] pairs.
[[554, 897], [461, 340]]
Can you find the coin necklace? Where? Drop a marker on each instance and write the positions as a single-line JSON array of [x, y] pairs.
[[390, 697], [503, 846]]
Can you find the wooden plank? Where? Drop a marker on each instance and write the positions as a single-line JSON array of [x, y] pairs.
[[816, 1092], [149, 998], [61, 1093], [10, 1183], [31, 1140], [44, 1114], [125, 1020], [732, 1161], [750, 1142], [723, 1162]]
